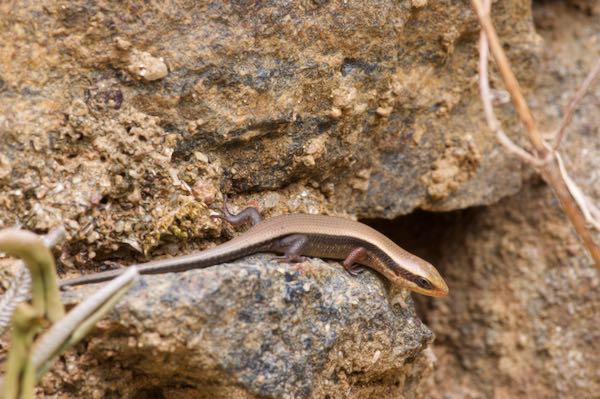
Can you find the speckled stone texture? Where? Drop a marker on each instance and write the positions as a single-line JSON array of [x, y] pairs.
[[121, 119], [254, 328], [126, 121], [525, 308]]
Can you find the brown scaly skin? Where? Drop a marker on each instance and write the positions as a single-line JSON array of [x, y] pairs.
[[299, 235]]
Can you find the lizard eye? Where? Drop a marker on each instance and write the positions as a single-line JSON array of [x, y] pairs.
[[423, 283]]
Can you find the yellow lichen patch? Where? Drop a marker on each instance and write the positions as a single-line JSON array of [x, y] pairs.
[[188, 220]]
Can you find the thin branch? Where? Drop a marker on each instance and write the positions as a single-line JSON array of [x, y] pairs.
[[487, 101], [553, 176], [512, 85], [518, 151], [589, 210], [484, 86], [574, 103], [578, 210]]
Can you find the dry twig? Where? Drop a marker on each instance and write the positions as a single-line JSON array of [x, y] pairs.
[[574, 103], [545, 158]]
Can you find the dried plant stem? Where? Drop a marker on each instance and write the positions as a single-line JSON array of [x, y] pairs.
[[551, 173], [545, 158], [512, 85], [488, 108], [574, 103]]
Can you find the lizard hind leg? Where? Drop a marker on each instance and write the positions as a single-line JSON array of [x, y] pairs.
[[350, 263], [249, 214], [292, 247]]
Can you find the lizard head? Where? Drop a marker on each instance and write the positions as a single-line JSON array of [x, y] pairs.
[[414, 273]]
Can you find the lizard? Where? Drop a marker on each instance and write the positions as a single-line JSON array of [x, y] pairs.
[[296, 236]]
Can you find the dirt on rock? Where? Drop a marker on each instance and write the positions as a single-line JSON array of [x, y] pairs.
[[127, 122], [522, 321]]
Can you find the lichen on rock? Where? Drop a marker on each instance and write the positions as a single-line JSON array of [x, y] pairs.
[[126, 122]]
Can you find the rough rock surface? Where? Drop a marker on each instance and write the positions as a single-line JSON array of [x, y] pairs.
[[127, 120], [254, 328], [525, 308], [123, 120]]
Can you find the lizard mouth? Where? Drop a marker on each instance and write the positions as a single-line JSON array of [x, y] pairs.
[[438, 292]]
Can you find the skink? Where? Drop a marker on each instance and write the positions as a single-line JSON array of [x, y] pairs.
[[297, 235]]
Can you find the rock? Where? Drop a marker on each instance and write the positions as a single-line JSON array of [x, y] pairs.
[[5, 167], [278, 97], [292, 112], [143, 65], [533, 300], [253, 328], [525, 308]]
